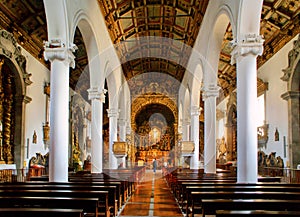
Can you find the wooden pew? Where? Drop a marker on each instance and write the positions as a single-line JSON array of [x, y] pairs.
[[89, 205], [210, 206], [191, 200], [256, 213], [187, 187], [102, 196], [112, 189], [198, 197], [41, 212], [123, 188]]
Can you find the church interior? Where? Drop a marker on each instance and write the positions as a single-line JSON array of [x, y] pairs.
[[96, 91]]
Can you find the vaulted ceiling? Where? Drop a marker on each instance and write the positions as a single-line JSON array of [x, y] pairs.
[[178, 20]]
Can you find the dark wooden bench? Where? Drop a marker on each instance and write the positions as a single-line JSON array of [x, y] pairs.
[[189, 203], [89, 205], [197, 197], [113, 190], [102, 205], [123, 189], [187, 187], [210, 206], [41, 212], [256, 213]]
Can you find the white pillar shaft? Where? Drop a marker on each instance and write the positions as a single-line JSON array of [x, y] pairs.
[[113, 136], [186, 131], [210, 135], [96, 136], [122, 131], [59, 123], [246, 119], [195, 139]]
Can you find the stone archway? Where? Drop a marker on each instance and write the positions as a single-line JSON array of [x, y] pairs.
[[292, 96], [14, 80]]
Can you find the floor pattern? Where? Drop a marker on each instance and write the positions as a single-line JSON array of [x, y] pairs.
[[151, 198]]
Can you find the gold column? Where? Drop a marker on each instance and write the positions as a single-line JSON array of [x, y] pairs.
[[7, 121], [1, 114]]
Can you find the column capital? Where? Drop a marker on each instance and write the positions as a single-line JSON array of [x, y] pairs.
[[97, 93], [55, 49], [186, 122], [210, 90], [251, 44], [122, 122], [113, 112], [195, 111]]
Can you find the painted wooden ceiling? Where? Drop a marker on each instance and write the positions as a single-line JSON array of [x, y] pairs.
[[178, 20]]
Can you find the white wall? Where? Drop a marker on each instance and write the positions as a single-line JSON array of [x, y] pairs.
[[276, 107], [35, 113], [220, 126]]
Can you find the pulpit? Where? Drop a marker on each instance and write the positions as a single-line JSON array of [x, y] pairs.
[[186, 149], [120, 152]]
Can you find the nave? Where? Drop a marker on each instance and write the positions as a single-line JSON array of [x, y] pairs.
[[152, 197]]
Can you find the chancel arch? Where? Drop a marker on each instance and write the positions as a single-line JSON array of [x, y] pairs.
[[292, 77], [155, 132]]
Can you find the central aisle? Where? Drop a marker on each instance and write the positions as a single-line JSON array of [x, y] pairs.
[[152, 198]]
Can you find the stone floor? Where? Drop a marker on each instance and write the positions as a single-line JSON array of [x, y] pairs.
[[151, 198]]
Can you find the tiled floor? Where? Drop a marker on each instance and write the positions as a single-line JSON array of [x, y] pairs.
[[152, 198]]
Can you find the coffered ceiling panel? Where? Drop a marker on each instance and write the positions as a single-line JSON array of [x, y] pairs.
[[178, 20]]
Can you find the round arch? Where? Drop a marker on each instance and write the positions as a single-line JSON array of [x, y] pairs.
[[13, 67]]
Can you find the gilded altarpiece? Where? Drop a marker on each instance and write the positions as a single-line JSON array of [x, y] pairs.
[[7, 114], [231, 125], [14, 80]]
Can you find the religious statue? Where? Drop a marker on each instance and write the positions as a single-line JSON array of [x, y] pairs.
[[34, 138]]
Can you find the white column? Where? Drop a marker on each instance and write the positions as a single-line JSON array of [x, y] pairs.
[[113, 136], [195, 112], [186, 130], [122, 130], [245, 53], [61, 58], [210, 92], [97, 96]]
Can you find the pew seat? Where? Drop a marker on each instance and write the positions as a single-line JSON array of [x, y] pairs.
[[256, 213], [89, 205], [210, 206], [41, 212]]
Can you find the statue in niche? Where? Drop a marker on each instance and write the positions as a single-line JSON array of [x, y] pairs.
[[34, 138], [276, 135]]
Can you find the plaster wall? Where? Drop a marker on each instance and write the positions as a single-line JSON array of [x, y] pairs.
[[35, 112], [276, 107]]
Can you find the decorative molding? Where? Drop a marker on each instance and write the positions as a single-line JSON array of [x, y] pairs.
[[262, 87], [97, 93], [113, 112], [291, 95], [210, 90], [252, 44], [293, 60], [55, 49], [196, 111], [10, 49]]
